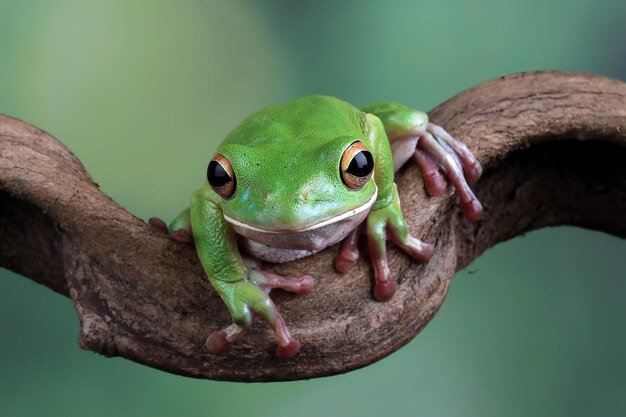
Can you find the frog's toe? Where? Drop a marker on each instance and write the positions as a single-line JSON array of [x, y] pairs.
[[434, 181], [216, 343], [289, 350], [344, 264], [384, 289], [269, 280], [305, 283], [157, 223], [349, 253], [180, 235], [220, 340], [419, 251], [472, 209]]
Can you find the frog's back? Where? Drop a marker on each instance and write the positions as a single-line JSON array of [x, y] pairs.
[[311, 118]]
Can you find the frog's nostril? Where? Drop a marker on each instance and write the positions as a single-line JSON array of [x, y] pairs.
[[304, 197]]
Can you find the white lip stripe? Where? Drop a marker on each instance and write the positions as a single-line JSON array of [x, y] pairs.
[[338, 218]]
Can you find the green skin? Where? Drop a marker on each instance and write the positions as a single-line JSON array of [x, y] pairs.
[[286, 161]]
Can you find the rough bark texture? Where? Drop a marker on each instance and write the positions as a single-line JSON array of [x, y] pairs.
[[553, 148]]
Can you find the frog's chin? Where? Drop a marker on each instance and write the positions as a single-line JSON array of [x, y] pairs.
[[314, 237]]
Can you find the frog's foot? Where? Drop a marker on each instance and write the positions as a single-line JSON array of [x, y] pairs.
[[220, 340], [349, 253], [385, 220], [245, 297], [420, 252], [472, 168], [437, 151], [181, 235]]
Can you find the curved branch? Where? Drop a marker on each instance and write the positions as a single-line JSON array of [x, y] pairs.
[[551, 143]]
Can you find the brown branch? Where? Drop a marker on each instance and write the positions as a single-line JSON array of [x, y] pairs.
[[552, 145]]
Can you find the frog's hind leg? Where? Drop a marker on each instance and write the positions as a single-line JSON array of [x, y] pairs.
[[454, 164], [435, 150], [438, 153]]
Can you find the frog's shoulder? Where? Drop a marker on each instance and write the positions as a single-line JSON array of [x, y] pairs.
[[301, 118]]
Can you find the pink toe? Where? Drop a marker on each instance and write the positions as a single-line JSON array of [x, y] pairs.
[[180, 236], [306, 283], [474, 173], [217, 343], [288, 351], [435, 184], [472, 210], [158, 224], [344, 265], [425, 254], [384, 290]]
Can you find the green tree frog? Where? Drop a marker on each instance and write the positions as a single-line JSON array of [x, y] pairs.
[[293, 179]]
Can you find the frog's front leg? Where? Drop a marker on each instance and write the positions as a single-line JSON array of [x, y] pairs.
[[243, 289], [434, 150], [390, 219]]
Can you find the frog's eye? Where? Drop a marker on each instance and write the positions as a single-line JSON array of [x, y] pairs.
[[221, 176], [357, 165]]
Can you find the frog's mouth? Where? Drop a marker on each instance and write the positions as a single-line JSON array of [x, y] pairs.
[[348, 215]]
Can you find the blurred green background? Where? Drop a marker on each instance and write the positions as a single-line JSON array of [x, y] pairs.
[[143, 91]]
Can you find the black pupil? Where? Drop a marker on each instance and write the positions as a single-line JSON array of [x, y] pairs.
[[361, 165], [217, 175]]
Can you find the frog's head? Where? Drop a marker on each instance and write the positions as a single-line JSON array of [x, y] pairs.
[[298, 193]]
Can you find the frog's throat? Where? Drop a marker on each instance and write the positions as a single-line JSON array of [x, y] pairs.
[[343, 216]]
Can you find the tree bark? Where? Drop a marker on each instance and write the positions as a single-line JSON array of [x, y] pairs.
[[552, 145]]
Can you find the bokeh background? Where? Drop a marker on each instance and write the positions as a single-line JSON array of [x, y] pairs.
[[143, 91]]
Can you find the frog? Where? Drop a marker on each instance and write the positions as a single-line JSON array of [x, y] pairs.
[[295, 178]]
